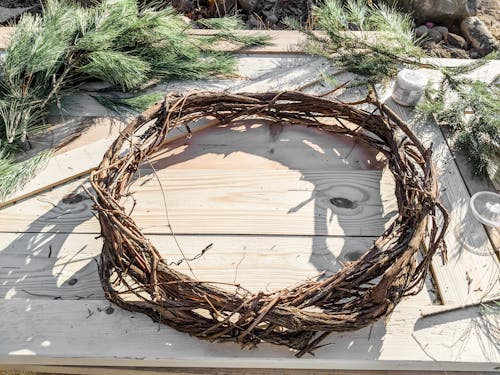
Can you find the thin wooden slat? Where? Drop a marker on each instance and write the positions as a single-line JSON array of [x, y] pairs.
[[48, 266], [91, 370], [280, 41]]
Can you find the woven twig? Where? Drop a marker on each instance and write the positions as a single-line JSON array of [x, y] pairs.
[[135, 277]]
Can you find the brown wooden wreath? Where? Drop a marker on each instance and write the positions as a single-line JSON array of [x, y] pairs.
[[135, 277]]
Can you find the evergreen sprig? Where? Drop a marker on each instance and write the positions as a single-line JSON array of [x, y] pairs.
[[469, 108], [376, 56], [117, 41]]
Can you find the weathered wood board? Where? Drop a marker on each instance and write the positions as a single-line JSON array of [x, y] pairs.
[[261, 195]]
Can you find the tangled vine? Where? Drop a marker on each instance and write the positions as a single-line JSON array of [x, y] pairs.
[[135, 276]]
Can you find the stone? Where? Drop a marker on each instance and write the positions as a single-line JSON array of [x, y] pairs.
[[248, 5], [421, 31], [478, 35], [443, 30], [272, 19], [7, 14], [456, 40], [253, 22], [442, 12], [434, 35]]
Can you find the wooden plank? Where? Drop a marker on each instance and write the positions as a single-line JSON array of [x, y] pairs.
[[256, 262], [224, 202], [5, 36], [91, 331], [92, 370], [281, 41]]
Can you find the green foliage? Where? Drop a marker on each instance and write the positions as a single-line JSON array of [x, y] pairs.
[[227, 23], [119, 68], [133, 104], [471, 110], [376, 56], [13, 174], [116, 41], [226, 26]]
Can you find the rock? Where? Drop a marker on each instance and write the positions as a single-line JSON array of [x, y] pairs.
[[478, 35], [7, 14], [253, 22], [434, 35], [443, 12], [248, 5], [272, 19], [187, 20], [421, 31], [443, 30], [456, 40]]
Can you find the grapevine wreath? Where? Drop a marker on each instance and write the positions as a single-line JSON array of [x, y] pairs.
[[135, 277]]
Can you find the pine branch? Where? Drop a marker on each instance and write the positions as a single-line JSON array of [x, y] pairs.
[[117, 41], [467, 107]]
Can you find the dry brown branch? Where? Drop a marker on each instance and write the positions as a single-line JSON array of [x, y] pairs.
[[136, 278]]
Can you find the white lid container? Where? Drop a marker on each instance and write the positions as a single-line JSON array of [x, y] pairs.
[[409, 87]]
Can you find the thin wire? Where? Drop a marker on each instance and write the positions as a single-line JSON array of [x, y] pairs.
[[185, 259]]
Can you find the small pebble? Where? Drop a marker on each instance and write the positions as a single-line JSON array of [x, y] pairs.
[[429, 44], [421, 31], [434, 35], [272, 19], [443, 30]]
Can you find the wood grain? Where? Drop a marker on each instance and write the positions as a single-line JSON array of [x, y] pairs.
[[256, 262], [224, 202], [86, 332], [92, 370]]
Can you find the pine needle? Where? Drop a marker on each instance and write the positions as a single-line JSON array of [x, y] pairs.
[[14, 174], [134, 104]]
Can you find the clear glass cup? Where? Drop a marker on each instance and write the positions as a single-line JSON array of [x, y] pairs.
[[485, 206]]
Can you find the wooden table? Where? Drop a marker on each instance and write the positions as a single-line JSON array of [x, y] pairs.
[[261, 195]]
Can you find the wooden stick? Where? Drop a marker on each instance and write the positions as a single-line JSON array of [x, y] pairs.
[[437, 310]]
